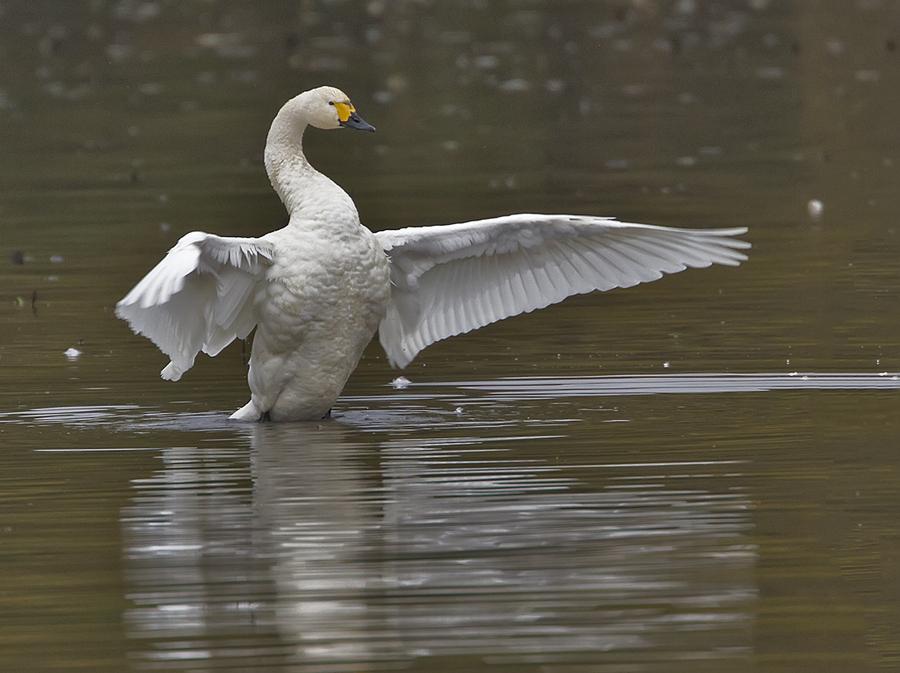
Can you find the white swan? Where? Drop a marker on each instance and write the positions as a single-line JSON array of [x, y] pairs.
[[317, 289]]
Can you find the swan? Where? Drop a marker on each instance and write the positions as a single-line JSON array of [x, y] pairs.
[[316, 290]]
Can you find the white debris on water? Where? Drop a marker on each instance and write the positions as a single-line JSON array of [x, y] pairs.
[[835, 47], [815, 208], [515, 85], [72, 353], [400, 383], [616, 164], [770, 73], [867, 75]]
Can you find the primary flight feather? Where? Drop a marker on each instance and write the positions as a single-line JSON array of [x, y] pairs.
[[317, 290]]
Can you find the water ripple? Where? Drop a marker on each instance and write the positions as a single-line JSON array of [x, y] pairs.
[[516, 388]]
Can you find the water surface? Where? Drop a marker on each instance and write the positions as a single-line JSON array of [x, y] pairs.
[[700, 474]]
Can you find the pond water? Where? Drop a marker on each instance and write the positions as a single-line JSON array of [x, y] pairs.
[[699, 474]]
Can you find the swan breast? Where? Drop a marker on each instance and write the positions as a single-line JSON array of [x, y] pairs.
[[331, 282]]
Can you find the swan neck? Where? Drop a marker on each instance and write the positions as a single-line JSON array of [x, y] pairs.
[[306, 193], [286, 164]]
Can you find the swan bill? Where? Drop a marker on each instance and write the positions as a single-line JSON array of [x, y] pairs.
[[354, 121]]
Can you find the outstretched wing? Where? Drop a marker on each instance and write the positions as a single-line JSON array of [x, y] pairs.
[[454, 278], [198, 298]]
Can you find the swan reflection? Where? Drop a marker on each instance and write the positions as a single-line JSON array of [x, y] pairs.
[[326, 548]]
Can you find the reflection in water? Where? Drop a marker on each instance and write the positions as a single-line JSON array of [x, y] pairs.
[[328, 549], [192, 576]]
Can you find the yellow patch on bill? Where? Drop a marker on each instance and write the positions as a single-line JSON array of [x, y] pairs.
[[344, 111]]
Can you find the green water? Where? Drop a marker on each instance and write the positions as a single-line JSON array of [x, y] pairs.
[[700, 474]]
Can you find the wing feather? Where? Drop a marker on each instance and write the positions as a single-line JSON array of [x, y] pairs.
[[199, 297], [454, 278]]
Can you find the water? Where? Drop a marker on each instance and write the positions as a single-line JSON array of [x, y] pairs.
[[699, 474]]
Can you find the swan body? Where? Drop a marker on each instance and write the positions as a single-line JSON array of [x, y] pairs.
[[317, 290]]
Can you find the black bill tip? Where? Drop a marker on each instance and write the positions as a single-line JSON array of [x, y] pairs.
[[358, 123]]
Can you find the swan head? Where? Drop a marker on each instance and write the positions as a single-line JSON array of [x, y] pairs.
[[328, 108]]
